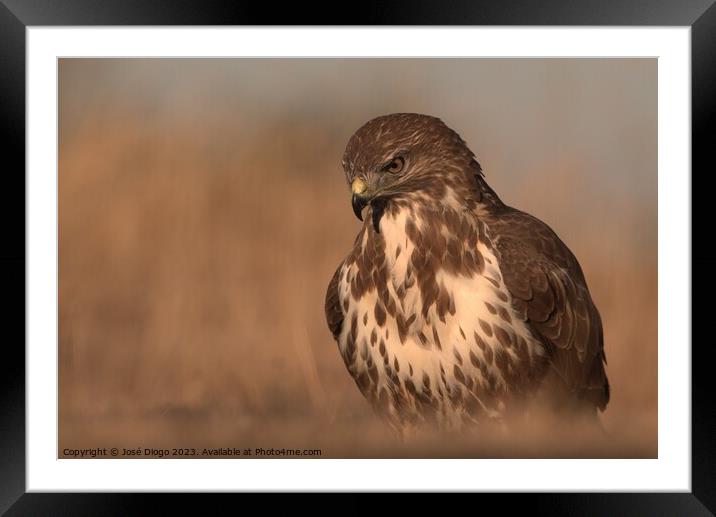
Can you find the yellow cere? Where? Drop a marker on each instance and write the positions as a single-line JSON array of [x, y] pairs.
[[358, 186]]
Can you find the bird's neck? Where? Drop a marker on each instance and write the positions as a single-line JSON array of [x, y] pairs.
[[423, 238], [476, 197], [398, 222]]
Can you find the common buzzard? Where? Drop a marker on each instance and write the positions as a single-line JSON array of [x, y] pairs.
[[453, 307]]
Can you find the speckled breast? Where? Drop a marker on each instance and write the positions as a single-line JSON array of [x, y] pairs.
[[430, 333]]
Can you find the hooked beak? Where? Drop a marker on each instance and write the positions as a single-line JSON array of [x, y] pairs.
[[358, 205], [359, 200]]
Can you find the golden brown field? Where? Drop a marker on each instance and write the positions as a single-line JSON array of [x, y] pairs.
[[203, 210]]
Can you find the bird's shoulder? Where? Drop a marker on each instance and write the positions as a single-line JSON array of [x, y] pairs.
[[522, 236]]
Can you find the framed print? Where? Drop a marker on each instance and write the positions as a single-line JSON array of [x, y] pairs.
[[341, 258]]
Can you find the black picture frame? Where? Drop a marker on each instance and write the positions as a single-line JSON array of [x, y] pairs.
[[17, 15]]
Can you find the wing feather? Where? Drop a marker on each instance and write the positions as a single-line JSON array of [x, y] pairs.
[[334, 311], [549, 291]]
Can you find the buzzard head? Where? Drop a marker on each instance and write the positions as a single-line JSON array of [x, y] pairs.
[[408, 157]]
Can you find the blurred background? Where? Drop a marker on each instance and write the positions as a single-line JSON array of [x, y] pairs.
[[203, 211]]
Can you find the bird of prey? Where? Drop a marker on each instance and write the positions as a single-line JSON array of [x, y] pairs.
[[454, 308]]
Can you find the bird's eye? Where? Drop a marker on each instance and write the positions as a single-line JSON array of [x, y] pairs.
[[396, 165]]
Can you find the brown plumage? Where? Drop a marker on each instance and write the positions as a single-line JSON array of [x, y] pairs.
[[453, 307]]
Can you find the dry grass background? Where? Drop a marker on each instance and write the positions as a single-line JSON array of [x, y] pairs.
[[203, 210]]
